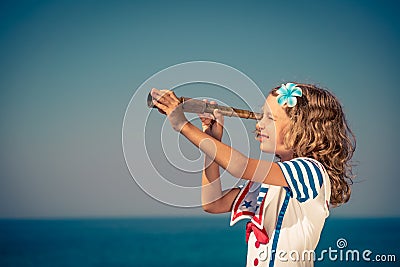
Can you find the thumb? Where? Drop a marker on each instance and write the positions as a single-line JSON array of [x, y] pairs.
[[218, 117]]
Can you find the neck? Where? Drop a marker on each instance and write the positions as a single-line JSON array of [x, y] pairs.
[[286, 157]]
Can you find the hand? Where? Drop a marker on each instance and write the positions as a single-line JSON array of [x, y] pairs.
[[212, 124], [167, 103]]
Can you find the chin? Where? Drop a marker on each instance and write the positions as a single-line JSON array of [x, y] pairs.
[[266, 148]]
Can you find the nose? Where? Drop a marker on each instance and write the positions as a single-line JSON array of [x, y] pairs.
[[259, 125]]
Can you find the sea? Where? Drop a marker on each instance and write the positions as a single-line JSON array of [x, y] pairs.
[[187, 241]]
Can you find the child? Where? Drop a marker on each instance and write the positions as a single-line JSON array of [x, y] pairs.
[[287, 201]]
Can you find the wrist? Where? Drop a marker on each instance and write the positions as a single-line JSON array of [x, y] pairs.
[[179, 128]]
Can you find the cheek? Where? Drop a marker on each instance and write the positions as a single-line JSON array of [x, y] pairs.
[[266, 123], [271, 130], [281, 136]]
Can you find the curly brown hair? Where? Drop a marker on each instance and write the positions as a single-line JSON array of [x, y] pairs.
[[318, 129]]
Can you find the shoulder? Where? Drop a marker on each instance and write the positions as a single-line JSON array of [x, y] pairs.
[[305, 177]]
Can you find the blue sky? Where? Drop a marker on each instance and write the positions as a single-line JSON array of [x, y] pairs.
[[68, 70]]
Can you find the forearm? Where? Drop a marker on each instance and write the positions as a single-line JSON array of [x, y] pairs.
[[237, 164], [225, 156], [211, 189]]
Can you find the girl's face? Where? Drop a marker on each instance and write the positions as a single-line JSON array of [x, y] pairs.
[[270, 129]]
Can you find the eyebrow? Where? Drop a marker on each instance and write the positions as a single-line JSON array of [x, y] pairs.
[[272, 115], [269, 113]]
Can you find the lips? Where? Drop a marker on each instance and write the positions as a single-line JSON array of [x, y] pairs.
[[260, 136]]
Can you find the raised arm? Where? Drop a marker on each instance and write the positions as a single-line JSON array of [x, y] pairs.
[[212, 197], [237, 164]]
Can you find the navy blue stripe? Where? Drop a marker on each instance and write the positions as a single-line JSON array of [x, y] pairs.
[[294, 182], [279, 226], [301, 180], [264, 189], [318, 171], [310, 177]]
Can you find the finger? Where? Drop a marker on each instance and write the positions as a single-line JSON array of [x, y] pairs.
[[160, 95], [219, 117], [164, 97], [170, 95], [161, 111], [170, 100], [155, 93], [206, 116], [202, 116], [160, 105], [214, 115], [205, 121]]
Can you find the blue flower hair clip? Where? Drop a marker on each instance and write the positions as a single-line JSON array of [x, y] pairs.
[[287, 94]]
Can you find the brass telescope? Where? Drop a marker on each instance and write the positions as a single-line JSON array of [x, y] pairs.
[[191, 105]]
